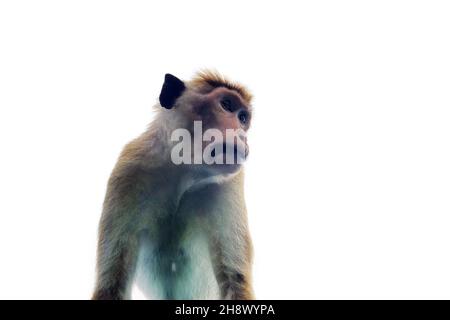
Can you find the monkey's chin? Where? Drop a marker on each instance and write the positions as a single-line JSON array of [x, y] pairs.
[[227, 169], [218, 172], [216, 175]]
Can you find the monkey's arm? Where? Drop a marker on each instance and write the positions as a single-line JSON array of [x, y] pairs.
[[232, 267], [117, 245], [231, 247]]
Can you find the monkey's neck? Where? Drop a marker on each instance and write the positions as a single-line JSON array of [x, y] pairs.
[[185, 180], [172, 181]]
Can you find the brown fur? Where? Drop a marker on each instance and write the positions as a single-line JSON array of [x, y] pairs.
[[208, 80]]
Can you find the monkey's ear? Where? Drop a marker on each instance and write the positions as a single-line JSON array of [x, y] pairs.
[[171, 90]]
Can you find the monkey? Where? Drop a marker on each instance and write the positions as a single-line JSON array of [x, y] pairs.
[[179, 231]]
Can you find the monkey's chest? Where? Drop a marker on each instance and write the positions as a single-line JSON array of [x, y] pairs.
[[172, 267]]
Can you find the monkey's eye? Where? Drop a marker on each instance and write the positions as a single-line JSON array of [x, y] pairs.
[[243, 117], [226, 105]]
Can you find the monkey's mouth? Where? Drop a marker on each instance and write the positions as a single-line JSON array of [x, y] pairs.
[[229, 153]]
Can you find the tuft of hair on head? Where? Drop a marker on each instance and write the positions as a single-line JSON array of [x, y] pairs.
[[210, 79]]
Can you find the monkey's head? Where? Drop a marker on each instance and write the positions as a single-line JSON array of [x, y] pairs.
[[208, 117]]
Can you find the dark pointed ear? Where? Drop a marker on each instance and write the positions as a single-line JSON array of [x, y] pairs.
[[171, 90]]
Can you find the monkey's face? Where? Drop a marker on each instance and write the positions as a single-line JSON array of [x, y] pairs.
[[225, 119], [217, 120]]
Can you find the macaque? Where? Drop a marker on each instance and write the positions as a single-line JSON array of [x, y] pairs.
[[178, 229]]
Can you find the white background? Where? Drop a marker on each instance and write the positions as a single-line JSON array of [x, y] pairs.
[[348, 182]]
